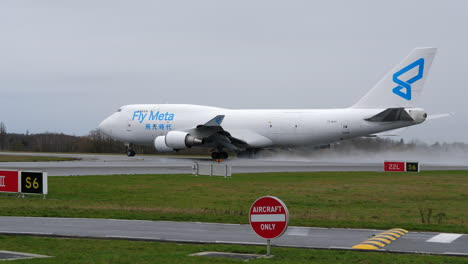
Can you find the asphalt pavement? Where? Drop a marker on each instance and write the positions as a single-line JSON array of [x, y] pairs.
[[214, 233]]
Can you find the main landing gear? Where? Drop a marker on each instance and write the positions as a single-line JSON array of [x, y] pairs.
[[219, 156]]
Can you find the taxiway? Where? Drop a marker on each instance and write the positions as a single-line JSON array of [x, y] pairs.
[[195, 232]]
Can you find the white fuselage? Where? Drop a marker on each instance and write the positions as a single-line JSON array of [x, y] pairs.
[[260, 128]]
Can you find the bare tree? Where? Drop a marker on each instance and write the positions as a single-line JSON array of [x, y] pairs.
[[3, 136]]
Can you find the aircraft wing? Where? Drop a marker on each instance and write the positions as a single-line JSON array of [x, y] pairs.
[[251, 138], [214, 135]]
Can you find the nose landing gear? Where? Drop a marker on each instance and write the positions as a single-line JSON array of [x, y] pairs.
[[130, 151]]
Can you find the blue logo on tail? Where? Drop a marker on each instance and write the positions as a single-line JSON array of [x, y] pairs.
[[407, 84]]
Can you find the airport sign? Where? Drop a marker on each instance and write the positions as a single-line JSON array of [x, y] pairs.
[[24, 182], [401, 166], [34, 182], [412, 167], [394, 166], [269, 217]]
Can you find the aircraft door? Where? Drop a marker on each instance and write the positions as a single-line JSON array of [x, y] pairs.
[[129, 123], [345, 128]]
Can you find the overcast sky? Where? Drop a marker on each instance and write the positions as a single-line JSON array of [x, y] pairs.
[[67, 65]]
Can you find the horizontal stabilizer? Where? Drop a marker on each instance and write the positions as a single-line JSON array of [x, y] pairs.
[[391, 115]]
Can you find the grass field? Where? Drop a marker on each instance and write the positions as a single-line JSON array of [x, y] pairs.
[[26, 158], [322, 199], [119, 251]]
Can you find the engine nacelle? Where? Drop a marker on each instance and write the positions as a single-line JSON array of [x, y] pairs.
[[160, 145], [175, 140], [181, 140]]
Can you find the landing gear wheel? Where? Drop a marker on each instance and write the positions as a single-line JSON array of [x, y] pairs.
[[216, 155], [219, 156], [223, 155], [131, 153]]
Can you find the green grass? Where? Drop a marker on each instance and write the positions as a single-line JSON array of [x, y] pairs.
[[323, 199], [26, 158], [120, 251]]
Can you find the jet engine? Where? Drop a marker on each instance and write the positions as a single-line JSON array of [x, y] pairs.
[[160, 145], [175, 140]]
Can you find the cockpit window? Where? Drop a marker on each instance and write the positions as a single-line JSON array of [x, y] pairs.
[[120, 110]]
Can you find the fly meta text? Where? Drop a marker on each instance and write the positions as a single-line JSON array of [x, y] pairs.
[[141, 116]]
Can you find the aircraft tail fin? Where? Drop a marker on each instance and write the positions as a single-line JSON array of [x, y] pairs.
[[402, 86]]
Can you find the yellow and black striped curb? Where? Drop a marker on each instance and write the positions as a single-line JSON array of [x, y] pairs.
[[381, 240]]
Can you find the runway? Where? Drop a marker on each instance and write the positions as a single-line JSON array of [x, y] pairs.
[[213, 233], [120, 164]]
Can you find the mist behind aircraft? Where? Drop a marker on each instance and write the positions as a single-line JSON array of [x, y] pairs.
[[437, 154]]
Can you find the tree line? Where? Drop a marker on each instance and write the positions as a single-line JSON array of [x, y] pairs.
[[94, 142]]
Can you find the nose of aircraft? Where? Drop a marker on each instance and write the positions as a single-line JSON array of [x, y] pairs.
[[104, 127]]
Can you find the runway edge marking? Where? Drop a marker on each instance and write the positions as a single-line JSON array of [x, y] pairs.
[[446, 238], [381, 240]]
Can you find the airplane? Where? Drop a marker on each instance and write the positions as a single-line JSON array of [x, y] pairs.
[[388, 106]]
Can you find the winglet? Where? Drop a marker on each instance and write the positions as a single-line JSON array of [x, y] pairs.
[[216, 121]]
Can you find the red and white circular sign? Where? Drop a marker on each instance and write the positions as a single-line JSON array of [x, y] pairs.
[[269, 217]]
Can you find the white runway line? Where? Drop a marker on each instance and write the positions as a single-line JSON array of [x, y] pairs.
[[444, 238]]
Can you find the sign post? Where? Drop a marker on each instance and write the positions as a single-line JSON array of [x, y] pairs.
[[269, 218]]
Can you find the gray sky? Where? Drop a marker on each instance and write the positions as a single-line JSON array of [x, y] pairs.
[[66, 65]]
